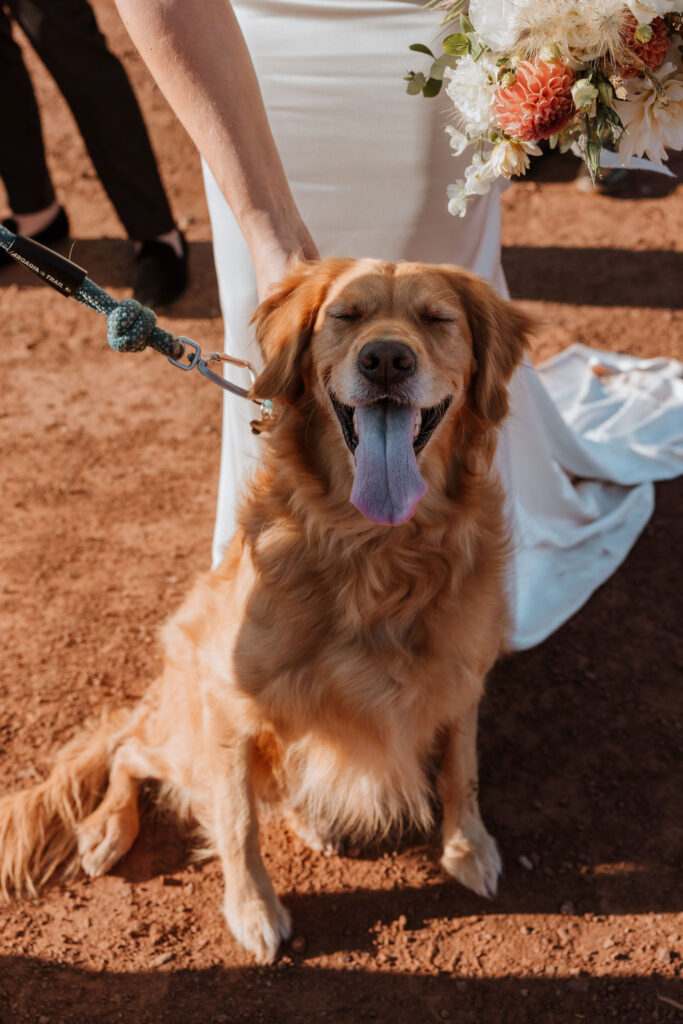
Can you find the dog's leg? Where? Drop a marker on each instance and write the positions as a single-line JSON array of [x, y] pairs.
[[107, 834], [470, 853], [254, 914]]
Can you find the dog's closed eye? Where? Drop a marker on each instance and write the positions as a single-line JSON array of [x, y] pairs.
[[350, 314]]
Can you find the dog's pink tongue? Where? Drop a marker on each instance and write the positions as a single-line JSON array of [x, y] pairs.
[[387, 485]]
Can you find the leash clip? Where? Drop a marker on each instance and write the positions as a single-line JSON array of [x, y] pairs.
[[194, 358], [202, 364], [235, 389]]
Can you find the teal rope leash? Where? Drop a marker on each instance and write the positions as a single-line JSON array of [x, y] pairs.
[[131, 327]]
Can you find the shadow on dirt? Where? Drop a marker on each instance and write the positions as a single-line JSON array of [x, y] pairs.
[[34, 990], [600, 277], [555, 167]]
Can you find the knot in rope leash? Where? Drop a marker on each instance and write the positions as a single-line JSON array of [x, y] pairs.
[[131, 327]]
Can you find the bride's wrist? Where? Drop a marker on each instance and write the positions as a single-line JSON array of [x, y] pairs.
[[283, 231], [274, 243]]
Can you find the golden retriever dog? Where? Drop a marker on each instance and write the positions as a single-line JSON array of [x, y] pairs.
[[339, 652]]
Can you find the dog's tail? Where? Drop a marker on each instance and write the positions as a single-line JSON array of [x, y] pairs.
[[38, 825]]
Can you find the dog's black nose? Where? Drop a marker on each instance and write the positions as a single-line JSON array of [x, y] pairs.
[[386, 362]]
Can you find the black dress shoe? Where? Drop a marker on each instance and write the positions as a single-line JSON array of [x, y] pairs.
[[56, 231], [160, 276]]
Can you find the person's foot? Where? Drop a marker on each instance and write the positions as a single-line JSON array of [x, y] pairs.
[[48, 232], [160, 272]]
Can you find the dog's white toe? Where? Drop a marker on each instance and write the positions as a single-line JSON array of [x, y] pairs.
[[313, 839], [475, 862], [104, 840], [260, 925]]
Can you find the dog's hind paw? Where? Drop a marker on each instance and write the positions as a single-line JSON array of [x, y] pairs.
[[313, 839], [259, 924], [474, 862]]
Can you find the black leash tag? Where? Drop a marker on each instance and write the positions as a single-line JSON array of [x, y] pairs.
[[57, 271]]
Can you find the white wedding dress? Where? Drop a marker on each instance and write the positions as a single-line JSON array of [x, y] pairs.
[[369, 166]]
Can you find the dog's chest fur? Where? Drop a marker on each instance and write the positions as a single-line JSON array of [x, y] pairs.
[[354, 659]]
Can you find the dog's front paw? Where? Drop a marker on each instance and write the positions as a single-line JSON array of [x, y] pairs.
[[103, 838], [259, 923], [474, 860]]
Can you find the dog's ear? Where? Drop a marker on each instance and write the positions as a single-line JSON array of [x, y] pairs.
[[284, 324], [500, 335]]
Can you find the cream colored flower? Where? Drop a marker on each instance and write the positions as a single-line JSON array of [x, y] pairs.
[[576, 31], [457, 199], [471, 86], [479, 176], [459, 141], [584, 94], [499, 22], [652, 123], [510, 158], [645, 10]]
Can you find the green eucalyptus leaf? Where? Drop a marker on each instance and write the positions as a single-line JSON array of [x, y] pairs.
[[432, 88], [456, 44], [421, 48], [416, 83], [440, 64], [466, 24]]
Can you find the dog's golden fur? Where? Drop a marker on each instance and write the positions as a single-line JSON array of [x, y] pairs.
[[329, 658]]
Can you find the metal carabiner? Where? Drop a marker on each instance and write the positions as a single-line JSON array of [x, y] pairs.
[[217, 378], [201, 363]]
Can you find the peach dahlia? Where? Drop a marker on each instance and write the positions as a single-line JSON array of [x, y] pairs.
[[539, 102]]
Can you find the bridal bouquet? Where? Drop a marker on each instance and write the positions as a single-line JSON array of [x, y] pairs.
[[584, 74]]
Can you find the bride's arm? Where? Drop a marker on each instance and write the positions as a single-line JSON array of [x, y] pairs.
[[196, 51]]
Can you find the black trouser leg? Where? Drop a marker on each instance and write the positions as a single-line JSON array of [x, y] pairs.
[[22, 154], [66, 37]]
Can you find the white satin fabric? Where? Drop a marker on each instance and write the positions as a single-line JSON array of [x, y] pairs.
[[369, 166]]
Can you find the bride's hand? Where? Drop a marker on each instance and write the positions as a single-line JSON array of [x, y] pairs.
[[275, 252]]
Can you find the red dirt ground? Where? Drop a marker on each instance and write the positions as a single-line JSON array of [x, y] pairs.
[[109, 479]]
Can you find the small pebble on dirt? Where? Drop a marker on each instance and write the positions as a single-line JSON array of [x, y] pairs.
[[567, 907], [526, 863], [298, 943], [163, 958]]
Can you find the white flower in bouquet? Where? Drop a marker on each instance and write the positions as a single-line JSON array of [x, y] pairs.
[[575, 29], [645, 10], [457, 199], [477, 182], [459, 141], [652, 122], [471, 87], [479, 176], [499, 22], [589, 31], [510, 158]]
